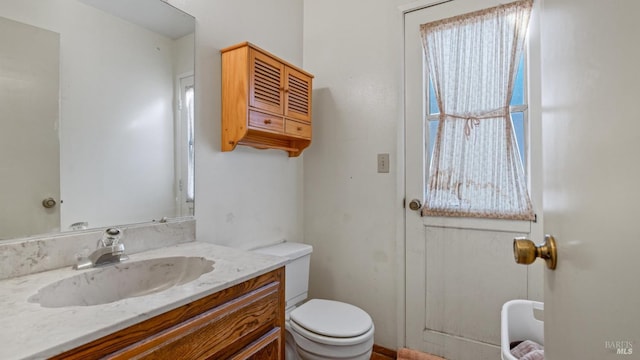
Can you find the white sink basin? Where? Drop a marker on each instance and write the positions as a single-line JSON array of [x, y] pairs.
[[121, 281]]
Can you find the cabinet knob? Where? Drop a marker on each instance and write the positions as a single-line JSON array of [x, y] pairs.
[[267, 121], [299, 128]]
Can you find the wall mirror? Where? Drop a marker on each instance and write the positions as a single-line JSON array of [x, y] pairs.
[[96, 114]]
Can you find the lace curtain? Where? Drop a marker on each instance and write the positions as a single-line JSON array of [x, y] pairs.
[[476, 170]]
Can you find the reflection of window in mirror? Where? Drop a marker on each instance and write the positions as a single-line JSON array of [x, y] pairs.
[[190, 145], [185, 157]]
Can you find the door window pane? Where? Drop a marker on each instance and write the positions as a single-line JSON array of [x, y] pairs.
[[518, 88], [518, 127]]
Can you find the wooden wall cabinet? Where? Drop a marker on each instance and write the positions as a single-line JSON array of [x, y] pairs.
[[245, 321], [266, 102]]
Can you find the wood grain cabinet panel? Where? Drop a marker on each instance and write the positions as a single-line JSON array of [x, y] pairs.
[[267, 347], [245, 321], [260, 95], [266, 83], [297, 95]]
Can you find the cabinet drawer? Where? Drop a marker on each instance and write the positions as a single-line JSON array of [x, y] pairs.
[[266, 121], [211, 334], [266, 348], [298, 129]]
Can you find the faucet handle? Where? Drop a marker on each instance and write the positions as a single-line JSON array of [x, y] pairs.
[[111, 237]]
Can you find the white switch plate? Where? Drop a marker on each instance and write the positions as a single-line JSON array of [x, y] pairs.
[[383, 163]]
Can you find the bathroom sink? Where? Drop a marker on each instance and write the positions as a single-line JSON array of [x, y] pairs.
[[121, 281]]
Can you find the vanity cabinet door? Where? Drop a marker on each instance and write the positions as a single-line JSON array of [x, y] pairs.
[[214, 333], [266, 348], [245, 321]]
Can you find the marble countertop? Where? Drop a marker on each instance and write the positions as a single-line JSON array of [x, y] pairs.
[[29, 331]]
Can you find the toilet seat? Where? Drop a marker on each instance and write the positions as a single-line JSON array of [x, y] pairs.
[[312, 346], [327, 340], [332, 322]]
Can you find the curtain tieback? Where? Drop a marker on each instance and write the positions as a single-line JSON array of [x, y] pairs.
[[473, 119]]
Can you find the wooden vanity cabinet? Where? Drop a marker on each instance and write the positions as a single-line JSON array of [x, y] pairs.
[[266, 102], [245, 321]]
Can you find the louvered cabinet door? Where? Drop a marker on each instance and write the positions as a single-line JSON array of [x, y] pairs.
[[297, 95], [267, 83]]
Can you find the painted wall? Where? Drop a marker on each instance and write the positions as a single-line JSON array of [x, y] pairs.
[[351, 211], [246, 197], [183, 55]]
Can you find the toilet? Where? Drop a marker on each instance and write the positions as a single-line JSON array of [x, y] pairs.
[[318, 329]]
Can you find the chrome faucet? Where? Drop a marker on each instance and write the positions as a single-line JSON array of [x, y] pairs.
[[109, 251]]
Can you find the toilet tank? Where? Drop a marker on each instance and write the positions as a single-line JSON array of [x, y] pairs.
[[296, 271]]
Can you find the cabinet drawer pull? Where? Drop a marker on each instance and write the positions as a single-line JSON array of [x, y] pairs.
[[267, 121], [299, 128]]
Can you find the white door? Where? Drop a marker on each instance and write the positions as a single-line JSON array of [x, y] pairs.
[[591, 133], [29, 145], [459, 272]]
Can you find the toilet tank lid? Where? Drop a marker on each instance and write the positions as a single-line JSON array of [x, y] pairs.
[[290, 250]]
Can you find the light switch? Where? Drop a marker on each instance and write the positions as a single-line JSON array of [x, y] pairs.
[[383, 163]]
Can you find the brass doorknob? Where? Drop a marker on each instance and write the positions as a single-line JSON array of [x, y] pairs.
[[526, 252], [415, 204], [48, 203]]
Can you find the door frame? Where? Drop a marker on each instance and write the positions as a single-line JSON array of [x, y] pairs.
[[535, 275]]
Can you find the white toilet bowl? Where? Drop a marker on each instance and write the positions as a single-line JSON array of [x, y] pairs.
[[326, 329]]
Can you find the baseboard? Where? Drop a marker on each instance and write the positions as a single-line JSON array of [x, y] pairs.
[[382, 353]]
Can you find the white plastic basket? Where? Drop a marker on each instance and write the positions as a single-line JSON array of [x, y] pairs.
[[517, 323]]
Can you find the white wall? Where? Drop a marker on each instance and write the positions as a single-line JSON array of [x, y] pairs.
[[246, 197], [184, 55], [109, 143], [350, 214]]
